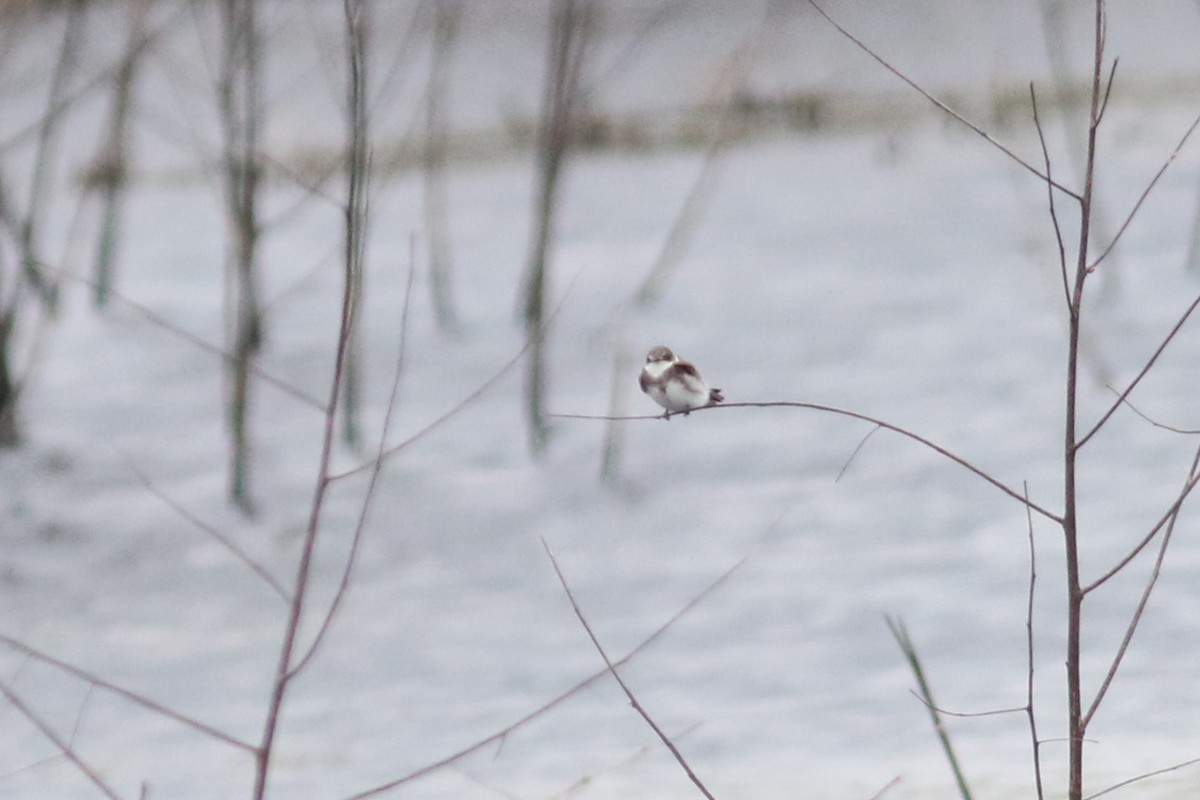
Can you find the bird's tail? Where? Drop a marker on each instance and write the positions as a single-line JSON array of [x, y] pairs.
[[715, 396]]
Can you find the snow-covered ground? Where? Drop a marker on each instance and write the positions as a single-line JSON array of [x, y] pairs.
[[905, 270]]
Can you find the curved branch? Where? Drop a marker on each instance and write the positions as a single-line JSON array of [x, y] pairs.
[[63, 747], [134, 697], [941, 105], [937, 448], [633, 701], [1145, 192], [1138, 378], [500, 736]]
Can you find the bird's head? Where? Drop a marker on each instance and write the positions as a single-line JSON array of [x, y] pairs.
[[660, 353]]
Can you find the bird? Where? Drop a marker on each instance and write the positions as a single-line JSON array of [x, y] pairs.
[[675, 384]]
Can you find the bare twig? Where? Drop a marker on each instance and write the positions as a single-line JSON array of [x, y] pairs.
[[941, 105], [633, 701], [229, 544], [64, 747], [886, 788], [1131, 628], [942, 710], [133, 697], [501, 735], [1141, 373], [1145, 192], [1164, 520], [160, 321], [1144, 776], [1050, 515], [1108, 86], [369, 495], [465, 402], [285, 669], [1161, 425], [1058, 236], [1029, 708], [854, 454]]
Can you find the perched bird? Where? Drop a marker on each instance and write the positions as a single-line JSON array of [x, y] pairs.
[[674, 384]]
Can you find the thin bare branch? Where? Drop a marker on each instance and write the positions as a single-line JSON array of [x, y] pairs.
[[501, 735], [992, 712], [1144, 776], [369, 495], [133, 697], [285, 668], [1112, 74], [1146, 193], [612, 670], [1141, 374], [1164, 520], [886, 788], [1131, 628], [466, 401], [229, 544], [1029, 708], [1058, 235], [941, 105], [64, 747], [160, 321], [962, 462], [1161, 425], [862, 443]]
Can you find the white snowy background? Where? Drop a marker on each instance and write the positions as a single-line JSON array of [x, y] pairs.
[[885, 260]]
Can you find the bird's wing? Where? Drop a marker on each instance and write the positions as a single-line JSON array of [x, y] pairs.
[[644, 381], [687, 368]]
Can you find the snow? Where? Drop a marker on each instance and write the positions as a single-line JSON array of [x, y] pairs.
[[906, 272]]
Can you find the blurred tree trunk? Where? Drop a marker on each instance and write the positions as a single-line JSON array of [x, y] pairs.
[[561, 98], [108, 171], [357, 158], [31, 260], [10, 433], [447, 16], [241, 115]]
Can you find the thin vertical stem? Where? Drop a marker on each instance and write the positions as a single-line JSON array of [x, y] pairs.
[[1077, 724], [357, 157], [287, 668]]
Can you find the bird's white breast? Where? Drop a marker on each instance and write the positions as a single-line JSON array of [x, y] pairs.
[[655, 369]]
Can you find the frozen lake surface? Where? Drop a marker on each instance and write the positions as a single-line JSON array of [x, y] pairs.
[[907, 272]]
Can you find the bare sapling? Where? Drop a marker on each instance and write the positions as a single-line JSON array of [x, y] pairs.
[[447, 16], [1078, 263], [291, 659], [45, 157], [357, 162], [108, 172], [561, 98], [241, 113], [1076, 273]]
